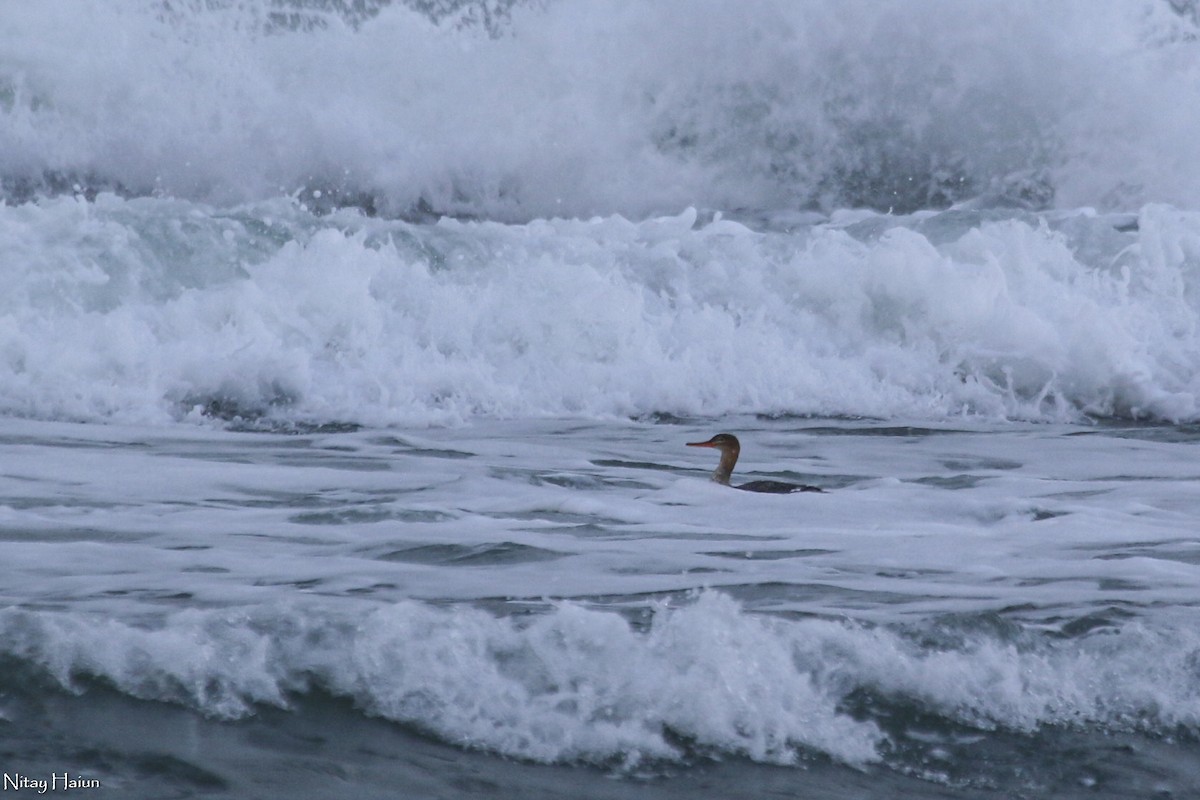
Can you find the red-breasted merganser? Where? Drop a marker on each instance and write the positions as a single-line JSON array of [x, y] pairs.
[[730, 447]]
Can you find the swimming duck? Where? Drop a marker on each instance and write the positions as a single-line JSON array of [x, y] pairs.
[[730, 448]]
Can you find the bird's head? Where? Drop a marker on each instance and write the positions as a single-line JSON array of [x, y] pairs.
[[722, 441]]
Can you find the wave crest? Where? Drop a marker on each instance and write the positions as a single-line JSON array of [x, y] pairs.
[[576, 684]]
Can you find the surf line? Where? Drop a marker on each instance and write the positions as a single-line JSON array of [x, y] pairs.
[[57, 782]]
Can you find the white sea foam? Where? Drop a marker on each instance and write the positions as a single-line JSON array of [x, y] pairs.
[[581, 685], [157, 309], [153, 310], [608, 106]]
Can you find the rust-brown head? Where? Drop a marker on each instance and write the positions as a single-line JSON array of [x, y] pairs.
[[722, 441]]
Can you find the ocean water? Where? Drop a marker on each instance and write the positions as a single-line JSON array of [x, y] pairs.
[[349, 352]]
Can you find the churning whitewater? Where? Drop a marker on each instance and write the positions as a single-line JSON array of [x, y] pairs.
[[151, 310], [350, 351]]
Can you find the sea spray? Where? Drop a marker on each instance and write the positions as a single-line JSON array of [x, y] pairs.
[[524, 110]]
